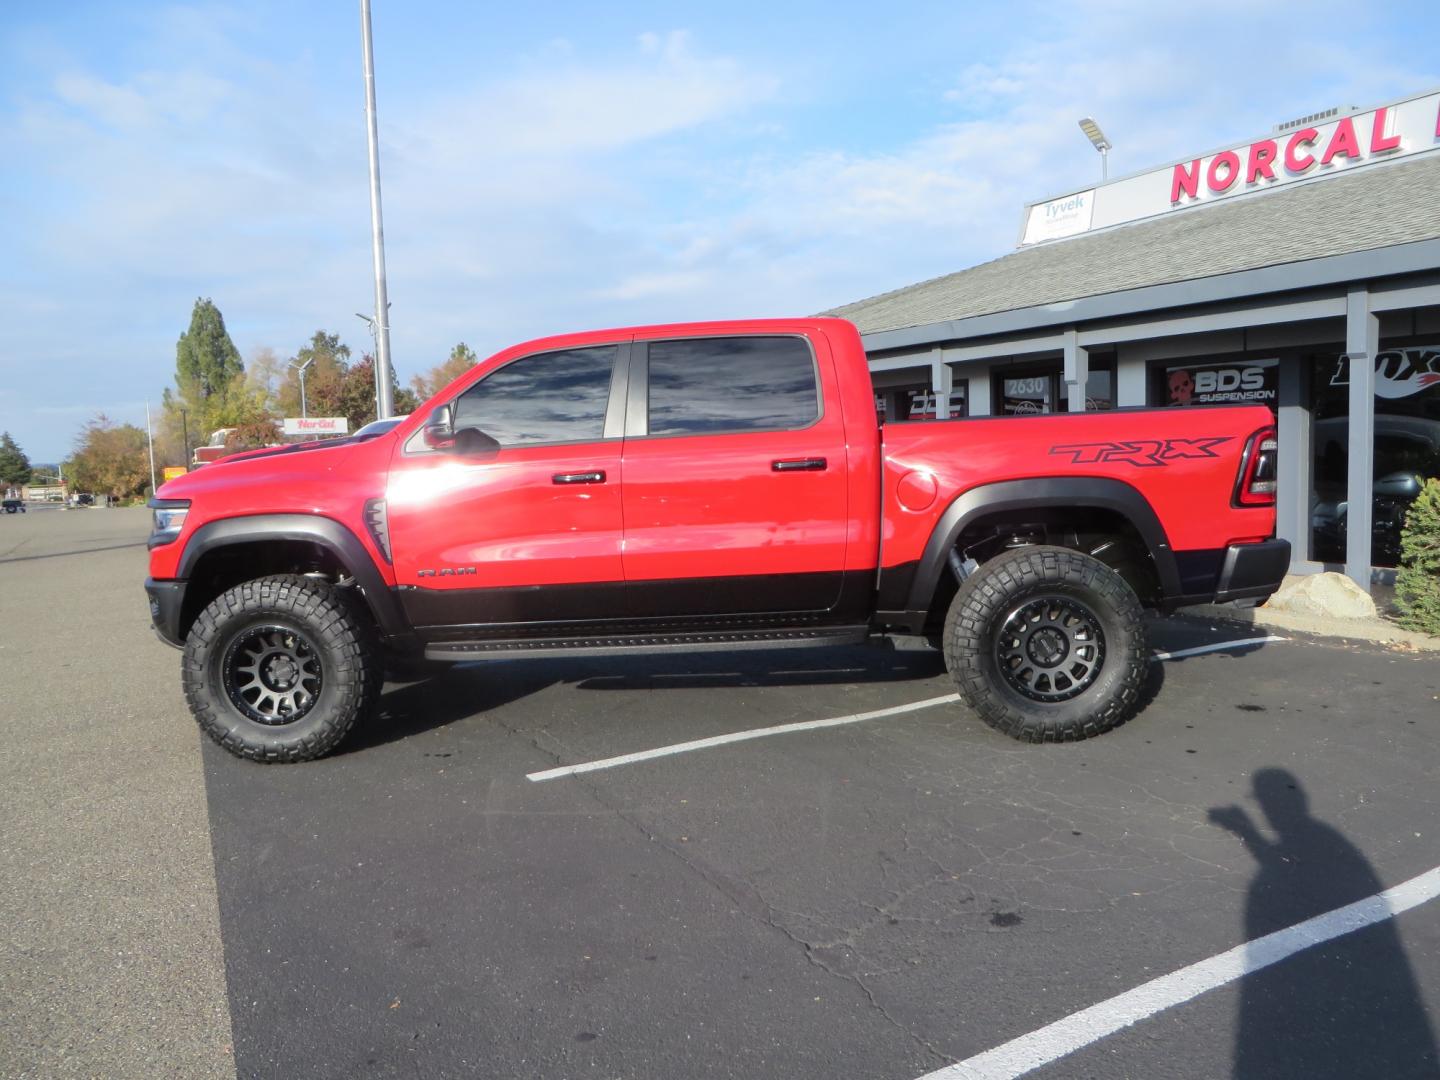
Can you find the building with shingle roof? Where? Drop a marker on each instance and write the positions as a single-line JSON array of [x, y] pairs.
[[1262, 272]]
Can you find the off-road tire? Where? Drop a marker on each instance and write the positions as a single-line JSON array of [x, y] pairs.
[[340, 637], [1013, 582]]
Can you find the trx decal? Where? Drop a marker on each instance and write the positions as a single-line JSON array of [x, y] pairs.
[[1142, 453], [446, 571]]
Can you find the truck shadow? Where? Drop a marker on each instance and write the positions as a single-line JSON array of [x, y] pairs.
[[472, 690], [469, 691]]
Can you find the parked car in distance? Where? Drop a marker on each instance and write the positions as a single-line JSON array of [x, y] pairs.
[[710, 486], [12, 506]]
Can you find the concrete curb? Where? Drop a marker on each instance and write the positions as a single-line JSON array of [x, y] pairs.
[[1376, 630]]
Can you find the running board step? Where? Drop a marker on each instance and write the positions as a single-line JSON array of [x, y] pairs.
[[600, 645]]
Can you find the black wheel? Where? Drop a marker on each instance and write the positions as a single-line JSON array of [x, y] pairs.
[[1047, 645], [281, 668]]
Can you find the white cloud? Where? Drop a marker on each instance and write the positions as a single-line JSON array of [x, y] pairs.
[[663, 181]]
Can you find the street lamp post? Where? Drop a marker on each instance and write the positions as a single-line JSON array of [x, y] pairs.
[[300, 370], [384, 400], [375, 340], [1100, 142]]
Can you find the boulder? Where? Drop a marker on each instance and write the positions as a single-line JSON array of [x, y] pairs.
[[1328, 595]]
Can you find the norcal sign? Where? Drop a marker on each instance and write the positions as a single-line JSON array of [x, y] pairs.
[[1349, 141], [1325, 145], [315, 425]]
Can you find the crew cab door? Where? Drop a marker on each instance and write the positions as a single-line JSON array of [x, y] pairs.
[[528, 532], [735, 492]]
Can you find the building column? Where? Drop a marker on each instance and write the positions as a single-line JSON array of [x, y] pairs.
[[940, 383], [1129, 379], [1292, 491], [1077, 370], [1362, 343], [977, 397]]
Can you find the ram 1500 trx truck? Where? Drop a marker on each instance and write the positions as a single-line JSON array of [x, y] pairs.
[[703, 486]]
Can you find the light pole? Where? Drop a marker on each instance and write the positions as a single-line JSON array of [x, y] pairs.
[[375, 339], [1097, 138], [385, 404], [150, 439], [300, 370], [375, 347]]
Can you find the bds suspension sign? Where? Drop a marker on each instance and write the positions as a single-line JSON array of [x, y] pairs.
[[1325, 145]]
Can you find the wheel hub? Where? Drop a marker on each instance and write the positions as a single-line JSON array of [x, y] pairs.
[[1050, 648], [1047, 646], [280, 672], [272, 674]]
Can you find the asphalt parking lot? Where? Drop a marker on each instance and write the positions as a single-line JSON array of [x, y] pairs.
[[882, 898]]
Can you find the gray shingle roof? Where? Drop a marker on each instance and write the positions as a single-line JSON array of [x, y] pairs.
[[1373, 208]]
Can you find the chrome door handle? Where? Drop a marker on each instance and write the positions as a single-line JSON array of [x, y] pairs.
[[809, 464], [596, 476]]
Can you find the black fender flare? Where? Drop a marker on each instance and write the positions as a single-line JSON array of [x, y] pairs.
[[1009, 495], [326, 532]]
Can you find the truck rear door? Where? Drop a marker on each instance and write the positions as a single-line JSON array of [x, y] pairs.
[[735, 493]]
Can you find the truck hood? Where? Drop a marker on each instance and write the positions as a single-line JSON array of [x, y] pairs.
[[271, 465]]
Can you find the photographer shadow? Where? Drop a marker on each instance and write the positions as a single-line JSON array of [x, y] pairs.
[[1347, 1008]]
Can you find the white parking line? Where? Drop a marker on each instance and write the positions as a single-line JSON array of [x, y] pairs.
[[811, 725], [1020, 1056], [737, 736], [1219, 646]]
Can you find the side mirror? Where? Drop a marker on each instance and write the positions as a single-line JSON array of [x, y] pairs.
[[472, 442], [440, 429]]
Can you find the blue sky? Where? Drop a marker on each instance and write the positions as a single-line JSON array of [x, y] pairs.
[[557, 166]]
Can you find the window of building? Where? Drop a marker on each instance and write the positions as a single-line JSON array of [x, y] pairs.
[[711, 385], [1100, 387], [547, 398], [1033, 391], [1028, 394], [1407, 446], [897, 404], [1208, 381]]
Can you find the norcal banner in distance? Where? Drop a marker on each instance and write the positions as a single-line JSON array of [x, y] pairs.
[[315, 425]]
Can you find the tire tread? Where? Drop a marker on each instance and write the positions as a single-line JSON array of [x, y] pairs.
[[1010, 576], [340, 627]]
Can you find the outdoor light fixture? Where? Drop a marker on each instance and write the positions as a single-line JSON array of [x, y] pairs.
[[299, 369], [1097, 137]]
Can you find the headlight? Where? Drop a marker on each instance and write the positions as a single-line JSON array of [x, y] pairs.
[[167, 517]]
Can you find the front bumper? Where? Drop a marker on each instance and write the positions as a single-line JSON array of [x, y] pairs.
[[167, 598], [1253, 571]]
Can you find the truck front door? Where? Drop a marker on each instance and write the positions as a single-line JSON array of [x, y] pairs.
[[505, 540], [735, 492]]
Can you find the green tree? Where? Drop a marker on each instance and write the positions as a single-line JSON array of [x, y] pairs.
[[109, 459], [1417, 585], [206, 360], [427, 385], [14, 465]]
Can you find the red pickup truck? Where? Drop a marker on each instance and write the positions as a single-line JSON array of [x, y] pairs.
[[708, 486]]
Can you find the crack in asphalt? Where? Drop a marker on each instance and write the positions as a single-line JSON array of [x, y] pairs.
[[743, 895]]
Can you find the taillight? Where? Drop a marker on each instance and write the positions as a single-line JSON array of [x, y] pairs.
[[1256, 485]]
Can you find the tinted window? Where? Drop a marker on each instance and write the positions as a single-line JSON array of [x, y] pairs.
[[731, 384], [552, 397]]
